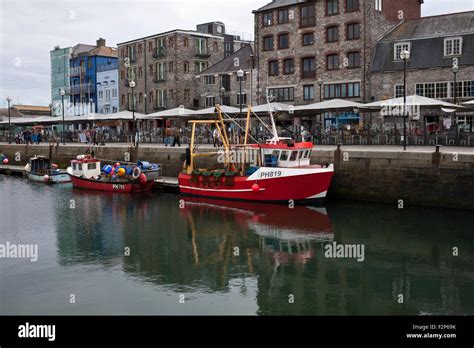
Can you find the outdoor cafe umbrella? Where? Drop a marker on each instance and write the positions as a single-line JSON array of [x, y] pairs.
[[176, 112], [275, 107], [415, 100], [212, 110], [331, 105]]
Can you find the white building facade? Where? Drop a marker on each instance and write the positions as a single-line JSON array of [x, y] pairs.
[[107, 89]]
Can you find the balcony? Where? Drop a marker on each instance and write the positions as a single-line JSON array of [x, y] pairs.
[[159, 52], [159, 79], [203, 54], [82, 89], [77, 71]]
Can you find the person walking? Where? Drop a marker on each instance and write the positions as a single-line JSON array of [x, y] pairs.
[[177, 136], [168, 135], [215, 136]]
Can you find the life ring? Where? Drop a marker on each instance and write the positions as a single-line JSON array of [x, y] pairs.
[[136, 173]]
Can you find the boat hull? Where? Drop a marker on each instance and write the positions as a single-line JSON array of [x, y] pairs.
[[61, 178], [278, 185]]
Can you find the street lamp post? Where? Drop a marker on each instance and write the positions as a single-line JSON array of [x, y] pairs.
[[405, 55], [240, 75], [63, 136], [320, 83], [222, 95], [132, 85], [455, 69], [9, 121]]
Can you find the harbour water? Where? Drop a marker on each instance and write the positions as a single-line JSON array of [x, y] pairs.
[[154, 255]]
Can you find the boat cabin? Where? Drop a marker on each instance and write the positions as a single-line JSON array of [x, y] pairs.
[[287, 154], [86, 167], [39, 164]]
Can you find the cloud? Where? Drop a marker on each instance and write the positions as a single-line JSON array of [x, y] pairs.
[[30, 29]]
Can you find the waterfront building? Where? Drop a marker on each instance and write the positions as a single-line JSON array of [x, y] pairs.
[[107, 88], [60, 76], [220, 83], [313, 50], [24, 111], [164, 66], [85, 59], [435, 44]]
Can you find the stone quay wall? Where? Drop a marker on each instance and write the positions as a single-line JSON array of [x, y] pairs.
[[436, 179]]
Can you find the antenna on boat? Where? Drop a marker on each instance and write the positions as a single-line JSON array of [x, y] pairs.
[[274, 130]]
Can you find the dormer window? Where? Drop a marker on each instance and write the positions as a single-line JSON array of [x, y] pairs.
[[399, 48], [453, 46]]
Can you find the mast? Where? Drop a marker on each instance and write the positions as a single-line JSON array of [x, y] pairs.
[[274, 130]]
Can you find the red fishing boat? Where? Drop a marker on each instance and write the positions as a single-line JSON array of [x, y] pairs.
[[86, 173], [278, 170]]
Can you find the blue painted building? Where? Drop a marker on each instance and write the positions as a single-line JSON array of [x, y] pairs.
[[84, 65]]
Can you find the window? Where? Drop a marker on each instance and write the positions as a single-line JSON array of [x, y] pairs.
[[453, 46], [352, 5], [186, 42], [442, 90], [201, 46], [308, 39], [186, 67], [332, 34], [284, 156], [140, 98], [150, 46], [353, 31], [332, 62], [283, 16], [294, 155], [140, 49], [161, 98], [140, 72], [309, 67], [308, 92], [268, 43], [200, 67], [289, 66], [332, 7], [285, 94], [398, 48], [187, 94], [228, 49], [267, 19], [114, 93], [161, 71], [399, 91], [210, 80], [342, 90], [210, 101], [241, 99], [107, 95], [123, 99], [378, 5], [445, 90], [307, 16], [273, 68], [101, 94], [215, 46], [283, 41], [353, 59]]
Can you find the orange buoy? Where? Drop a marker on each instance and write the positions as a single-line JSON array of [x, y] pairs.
[[256, 188], [46, 177]]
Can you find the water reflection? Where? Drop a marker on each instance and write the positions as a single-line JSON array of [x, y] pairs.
[[212, 246]]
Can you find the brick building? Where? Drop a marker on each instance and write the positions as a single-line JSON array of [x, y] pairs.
[[434, 43], [164, 66], [308, 50], [220, 84]]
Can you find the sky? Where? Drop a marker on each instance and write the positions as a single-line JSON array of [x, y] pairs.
[[30, 29]]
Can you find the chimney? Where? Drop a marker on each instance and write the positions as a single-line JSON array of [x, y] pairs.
[[101, 42]]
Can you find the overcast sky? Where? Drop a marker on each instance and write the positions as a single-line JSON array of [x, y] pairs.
[[31, 28]]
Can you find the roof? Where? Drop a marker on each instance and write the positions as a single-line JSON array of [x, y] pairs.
[[92, 50], [426, 36], [278, 3], [433, 27], [227, 64], [31, 108]]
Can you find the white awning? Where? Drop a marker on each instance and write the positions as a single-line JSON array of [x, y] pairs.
[[275, 107], [176, 112], [333, 104], [212, 110], [414, 100]]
